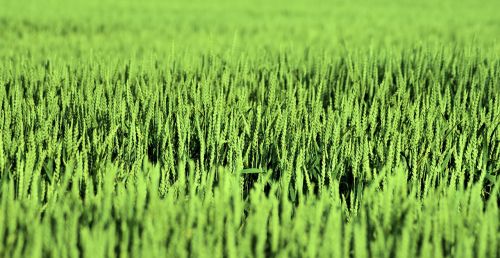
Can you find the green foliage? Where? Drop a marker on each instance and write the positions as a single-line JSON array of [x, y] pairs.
[[256, 129]]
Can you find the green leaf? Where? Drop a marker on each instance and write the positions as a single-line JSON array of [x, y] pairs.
[[252, 171]]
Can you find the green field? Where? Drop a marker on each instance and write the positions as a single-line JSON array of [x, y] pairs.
[[249, 129]]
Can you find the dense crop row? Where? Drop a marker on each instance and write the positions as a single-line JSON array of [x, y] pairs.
[[114, 144]]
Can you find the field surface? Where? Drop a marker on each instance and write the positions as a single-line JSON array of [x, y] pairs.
[[249, 128]]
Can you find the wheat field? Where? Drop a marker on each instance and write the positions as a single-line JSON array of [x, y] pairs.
[[249, 129]]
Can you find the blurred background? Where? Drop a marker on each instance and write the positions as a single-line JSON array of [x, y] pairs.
[[78, 28]]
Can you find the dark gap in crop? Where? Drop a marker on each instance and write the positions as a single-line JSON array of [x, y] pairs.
[[347, 185]]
